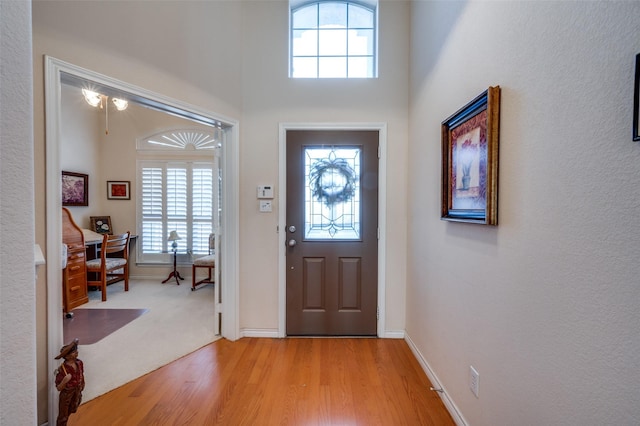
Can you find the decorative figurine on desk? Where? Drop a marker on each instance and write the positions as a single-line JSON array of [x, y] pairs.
[[69, 382]]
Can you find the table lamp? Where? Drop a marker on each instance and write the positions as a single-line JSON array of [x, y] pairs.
[[174, 237]]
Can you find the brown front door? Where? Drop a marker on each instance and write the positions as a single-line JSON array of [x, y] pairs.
[[332, 232]]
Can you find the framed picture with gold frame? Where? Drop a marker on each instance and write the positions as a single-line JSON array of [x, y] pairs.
[[470, 139], [636, 101]]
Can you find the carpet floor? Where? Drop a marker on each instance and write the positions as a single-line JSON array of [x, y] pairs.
[[177, 322], [92, 325]]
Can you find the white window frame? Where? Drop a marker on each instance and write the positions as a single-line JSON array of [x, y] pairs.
[[167, 222], [181, 148], [370, 5]]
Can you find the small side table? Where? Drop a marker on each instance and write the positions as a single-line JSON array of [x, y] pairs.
[[174, 274]]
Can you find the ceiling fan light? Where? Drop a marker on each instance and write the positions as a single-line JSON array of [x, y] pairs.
[[92, 98], [120, 104]]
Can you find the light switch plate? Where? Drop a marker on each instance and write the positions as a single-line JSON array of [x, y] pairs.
[[265, 206], [265, 191]]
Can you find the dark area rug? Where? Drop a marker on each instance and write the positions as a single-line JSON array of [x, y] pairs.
[[92, 325]]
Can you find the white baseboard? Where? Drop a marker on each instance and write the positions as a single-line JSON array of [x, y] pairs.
[[448, 402], [158, 278], [259, 332], [273, 333], [393, 334]]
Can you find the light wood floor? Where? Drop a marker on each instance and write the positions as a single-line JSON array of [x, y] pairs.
[[293, 381]]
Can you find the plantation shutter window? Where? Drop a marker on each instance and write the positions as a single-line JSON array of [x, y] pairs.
[[152, 237], [175, 196]]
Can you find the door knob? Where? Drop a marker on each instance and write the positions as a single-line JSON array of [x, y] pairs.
[[292, 242]]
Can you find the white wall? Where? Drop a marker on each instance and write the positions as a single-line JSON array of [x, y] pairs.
[[544, 305], [269, 98], [78, 151], [17, 271]]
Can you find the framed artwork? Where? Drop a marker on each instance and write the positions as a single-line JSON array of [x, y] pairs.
[[101, 224], [470, 161], [75, 189], [636, 101], [118, 190]]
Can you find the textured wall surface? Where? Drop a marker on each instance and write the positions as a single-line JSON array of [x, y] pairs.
[[544, 305], [17, 279]]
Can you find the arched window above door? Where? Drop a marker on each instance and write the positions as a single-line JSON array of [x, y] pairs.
[[333, 39]]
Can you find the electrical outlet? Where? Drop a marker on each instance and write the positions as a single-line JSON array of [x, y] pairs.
[[474, 381]]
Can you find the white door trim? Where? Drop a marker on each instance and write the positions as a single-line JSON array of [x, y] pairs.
[[229, 220], [382, 212]]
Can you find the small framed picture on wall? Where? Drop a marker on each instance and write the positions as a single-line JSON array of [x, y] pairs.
[[75, 189], [118, 190]]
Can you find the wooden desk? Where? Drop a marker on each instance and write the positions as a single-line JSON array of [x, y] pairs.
[[81, 246], [74, 275]]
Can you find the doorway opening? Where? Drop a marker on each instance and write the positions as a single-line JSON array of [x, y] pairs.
[[55, 72]]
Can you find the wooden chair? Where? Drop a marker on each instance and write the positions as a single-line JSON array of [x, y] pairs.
[[208, 262], [111, 267]]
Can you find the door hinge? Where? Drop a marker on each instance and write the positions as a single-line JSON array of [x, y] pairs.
[[378, 313], [379, 152], [378, 232]]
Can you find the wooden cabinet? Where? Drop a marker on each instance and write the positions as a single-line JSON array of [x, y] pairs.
[[74, 276]]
